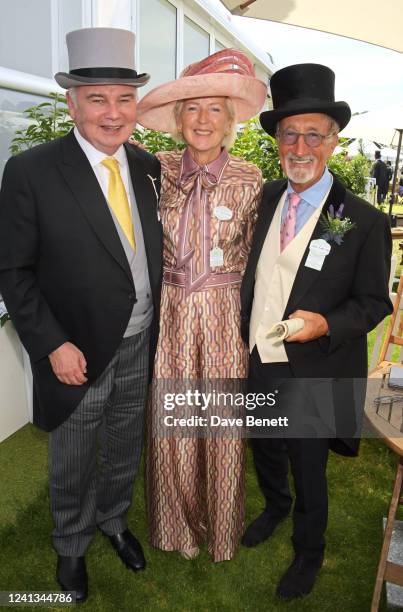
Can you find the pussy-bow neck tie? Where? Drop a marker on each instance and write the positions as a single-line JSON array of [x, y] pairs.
[[194, 230]]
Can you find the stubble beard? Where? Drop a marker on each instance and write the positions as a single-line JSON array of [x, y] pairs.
[[300, 175]]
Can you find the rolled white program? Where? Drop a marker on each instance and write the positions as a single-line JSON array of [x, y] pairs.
[[287, 328]]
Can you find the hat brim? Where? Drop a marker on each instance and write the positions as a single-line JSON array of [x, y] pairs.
[[339, 111], [155, 110], [67, 80]]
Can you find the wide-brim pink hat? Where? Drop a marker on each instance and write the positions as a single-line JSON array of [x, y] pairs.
[[227, 73]]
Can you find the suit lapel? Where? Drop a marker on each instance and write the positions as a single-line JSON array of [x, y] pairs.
[[266, 214], [84, 185], [271, 197], [147, 205], [306, 276]]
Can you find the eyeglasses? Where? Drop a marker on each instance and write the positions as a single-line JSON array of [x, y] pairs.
[[311, 139]]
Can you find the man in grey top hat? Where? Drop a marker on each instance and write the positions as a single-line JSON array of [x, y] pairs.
[[80, 273]]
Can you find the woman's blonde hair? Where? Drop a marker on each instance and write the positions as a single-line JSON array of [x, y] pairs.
[[229, 137]]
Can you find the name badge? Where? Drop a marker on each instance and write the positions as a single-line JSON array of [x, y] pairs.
[[223, 213], [216, 257], [318, 249]]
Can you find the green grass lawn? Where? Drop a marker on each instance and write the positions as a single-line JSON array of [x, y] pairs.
[[359, 493]]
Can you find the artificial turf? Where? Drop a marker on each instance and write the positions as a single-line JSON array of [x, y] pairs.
[[359, 493]]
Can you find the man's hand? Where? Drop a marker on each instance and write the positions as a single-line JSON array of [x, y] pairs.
[[315, 326], [69, 364]]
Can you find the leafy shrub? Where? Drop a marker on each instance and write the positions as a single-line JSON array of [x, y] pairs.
[[49, 120], [257, 147], [352, 172], [156, 141]]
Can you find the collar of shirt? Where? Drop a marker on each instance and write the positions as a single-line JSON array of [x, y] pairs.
[[102, 173], [95, 156], [311, 199]]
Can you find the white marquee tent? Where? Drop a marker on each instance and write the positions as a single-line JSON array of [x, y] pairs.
[[366, 20]]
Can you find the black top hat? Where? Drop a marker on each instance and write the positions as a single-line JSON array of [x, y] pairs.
[[301, 89]]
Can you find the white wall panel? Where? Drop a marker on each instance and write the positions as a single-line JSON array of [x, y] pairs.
[[26, 36], [13, 399]]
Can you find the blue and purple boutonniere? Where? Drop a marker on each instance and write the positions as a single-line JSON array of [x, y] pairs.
[[335, 226]]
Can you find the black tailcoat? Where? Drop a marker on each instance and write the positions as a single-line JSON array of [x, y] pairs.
[[350, 291], [64, 275]]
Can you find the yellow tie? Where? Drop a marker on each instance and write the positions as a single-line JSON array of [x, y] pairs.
[[117, 199]]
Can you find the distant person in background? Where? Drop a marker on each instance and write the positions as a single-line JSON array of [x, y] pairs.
[[390, 170], [380, 173]]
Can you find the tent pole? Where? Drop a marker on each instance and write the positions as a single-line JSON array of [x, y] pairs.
[[393, 194], [242, 8], [245, 5]]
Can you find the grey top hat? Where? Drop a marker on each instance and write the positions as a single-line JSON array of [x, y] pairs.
[[98, 56]]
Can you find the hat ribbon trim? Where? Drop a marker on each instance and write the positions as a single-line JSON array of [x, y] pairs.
[[108, 73]]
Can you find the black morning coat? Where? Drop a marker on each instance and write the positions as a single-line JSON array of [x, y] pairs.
[[64, 275], [350, 291]]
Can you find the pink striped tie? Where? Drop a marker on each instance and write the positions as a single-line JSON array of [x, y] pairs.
[[287, 232]]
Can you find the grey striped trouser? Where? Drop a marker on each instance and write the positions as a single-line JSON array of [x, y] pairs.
[[95, 454]]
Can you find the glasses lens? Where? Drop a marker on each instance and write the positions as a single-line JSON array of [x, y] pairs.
[[288, 137], [313, 139]]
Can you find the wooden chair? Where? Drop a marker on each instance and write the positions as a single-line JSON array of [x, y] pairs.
[[393, 336], [379, 330], [388, 571]]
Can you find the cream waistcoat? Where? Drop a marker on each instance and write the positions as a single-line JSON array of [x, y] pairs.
[[275, 275]]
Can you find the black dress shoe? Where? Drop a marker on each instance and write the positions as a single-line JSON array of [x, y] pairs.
[[71, 574], [261, 529], [300, 577], [129, 550]]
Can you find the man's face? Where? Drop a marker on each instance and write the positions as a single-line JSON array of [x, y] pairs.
[[105, 115], [304, 164]]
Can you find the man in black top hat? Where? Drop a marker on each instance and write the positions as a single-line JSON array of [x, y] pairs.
[[380, 172], [335, 281], [80, 273]]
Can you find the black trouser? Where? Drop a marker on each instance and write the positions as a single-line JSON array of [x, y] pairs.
[[307, 458], [380, 196]]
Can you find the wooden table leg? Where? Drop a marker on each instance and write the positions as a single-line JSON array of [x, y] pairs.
[[387, 536]]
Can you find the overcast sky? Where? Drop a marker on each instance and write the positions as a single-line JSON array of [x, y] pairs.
[[367, 77]]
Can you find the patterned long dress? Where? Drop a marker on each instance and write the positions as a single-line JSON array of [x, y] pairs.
[[195, 486]]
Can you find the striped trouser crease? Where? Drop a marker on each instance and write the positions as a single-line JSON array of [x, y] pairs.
[[95, 454]]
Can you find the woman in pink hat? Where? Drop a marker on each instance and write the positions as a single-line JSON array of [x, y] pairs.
[[208, 208]]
